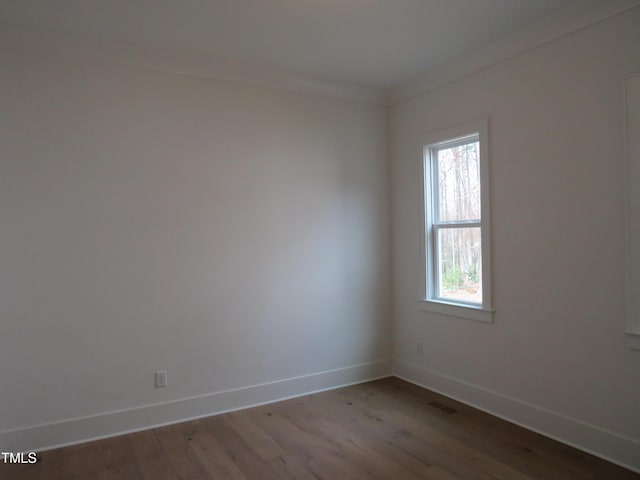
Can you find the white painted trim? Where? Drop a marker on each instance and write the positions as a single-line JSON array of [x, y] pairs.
[[427, 295], [565, 22], [469, 312], [575, 18], [109, 424], [631, 90], [611, 446], [14, 37], [633, 340]]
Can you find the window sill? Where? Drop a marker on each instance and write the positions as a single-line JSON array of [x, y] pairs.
[[633, 340], [455, 310]]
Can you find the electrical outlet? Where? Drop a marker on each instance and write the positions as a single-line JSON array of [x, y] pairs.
[[161, 379], [419, 349]]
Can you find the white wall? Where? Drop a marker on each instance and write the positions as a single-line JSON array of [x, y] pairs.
[[556, 358], [237, 237], [231, 235], [632, 151]]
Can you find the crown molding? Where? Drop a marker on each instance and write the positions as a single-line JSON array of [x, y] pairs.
[[21, 38], [565, 22]]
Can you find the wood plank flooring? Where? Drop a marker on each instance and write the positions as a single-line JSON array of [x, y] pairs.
[[387, 429]]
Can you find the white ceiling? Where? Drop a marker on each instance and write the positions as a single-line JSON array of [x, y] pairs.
[[368, 42]]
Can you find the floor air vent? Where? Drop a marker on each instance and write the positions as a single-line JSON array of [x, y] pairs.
[[442, 407]]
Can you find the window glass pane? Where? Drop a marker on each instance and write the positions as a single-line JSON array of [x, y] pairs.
[[460, 264], [458, 182]]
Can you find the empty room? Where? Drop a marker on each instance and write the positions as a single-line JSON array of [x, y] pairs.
[[320, 239]]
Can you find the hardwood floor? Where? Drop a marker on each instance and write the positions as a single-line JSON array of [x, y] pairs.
[[387, 429]]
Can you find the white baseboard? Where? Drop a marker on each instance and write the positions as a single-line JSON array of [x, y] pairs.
[[590, 438], [79, 430], [597, 441]]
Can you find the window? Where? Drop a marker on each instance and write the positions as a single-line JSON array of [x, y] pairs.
[[456, 279]]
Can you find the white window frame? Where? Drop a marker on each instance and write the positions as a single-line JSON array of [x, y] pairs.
[[428, 301]]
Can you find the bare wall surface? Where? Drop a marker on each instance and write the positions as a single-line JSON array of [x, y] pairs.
[[556, 157], [238, 238], [230, 235]]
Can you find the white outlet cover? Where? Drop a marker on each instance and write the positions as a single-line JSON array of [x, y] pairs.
[[161, 379]]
